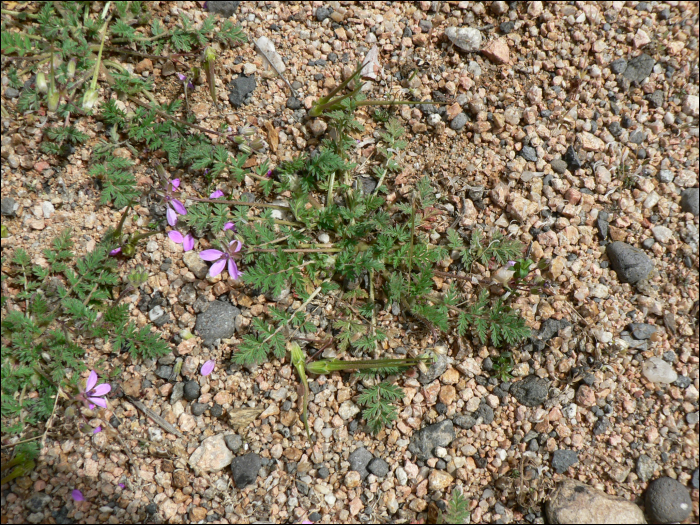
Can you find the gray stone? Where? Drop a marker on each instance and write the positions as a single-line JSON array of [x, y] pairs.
[[322, 13], [244, 470], [531, 391], [37, 502], [639, 68], [695, 481], [642, 331], [602, 227], [637, 137], [466, 38], [378, 467], [424, 442], [217, 322], [667, 501], [436, 370], [458, 122], [155, 313], [571, 159], [529, 153], [191, 390], [178, 392], [618, 66], [563, 459], [164, 372], [559, 166], [199, 408], [667, 176], [689, 201], [574, 502], [239, 89], [225, 9], [645, 467], [294, 103], [484, 412], [234, 442], [631, 264], [195, 264], [550, 327], [465, 422], [188, 294], [359, 461], [615, 129], [8, 207], [601, 426], [656, 98]]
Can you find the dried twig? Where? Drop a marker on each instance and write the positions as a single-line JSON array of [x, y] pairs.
[[155, 417]]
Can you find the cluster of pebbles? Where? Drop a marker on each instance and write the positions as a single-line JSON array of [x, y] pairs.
[[572, 127]]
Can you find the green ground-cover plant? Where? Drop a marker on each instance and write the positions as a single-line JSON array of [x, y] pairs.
[[377, 253], [67, 304], [457, 509]]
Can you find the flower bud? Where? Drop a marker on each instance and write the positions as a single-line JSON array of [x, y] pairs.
[[89, 99], [53, 99], [41, 85], [244, 148], [70, 73]]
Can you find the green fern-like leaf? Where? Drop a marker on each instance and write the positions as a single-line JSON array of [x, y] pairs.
[[379, 412]]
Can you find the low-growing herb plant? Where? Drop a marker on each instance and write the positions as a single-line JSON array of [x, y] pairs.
[[457, 509]]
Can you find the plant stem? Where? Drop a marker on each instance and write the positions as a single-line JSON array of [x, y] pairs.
[[241, 203], [282, 325], [297, 250], [329, 196]]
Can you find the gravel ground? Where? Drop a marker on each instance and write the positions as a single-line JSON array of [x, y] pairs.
[[547, 108]]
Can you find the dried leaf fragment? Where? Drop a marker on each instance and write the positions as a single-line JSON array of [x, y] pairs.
[[272, 136], [242, 417]]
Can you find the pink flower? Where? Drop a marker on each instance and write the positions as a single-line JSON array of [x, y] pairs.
[[217, 194], [208, 367], [97, 430], [230, 226], [116, 251], [173, 205], [77, 495], [93, 393], [187, 241], [222, 258]]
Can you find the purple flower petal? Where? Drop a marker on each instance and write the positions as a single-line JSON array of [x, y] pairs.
[[175, 183], [100, 390], [77, 495], [233, 270], [179, 207], [237, 248], [172, 217], [229, 226], [121, 485], [91, 381], [97, 430], [217, 267], [99, 401], [176, 236], [188, 242], [511, 263], [115, 251], [211, 255], [208, 367], [182, 77], [216, 194]]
